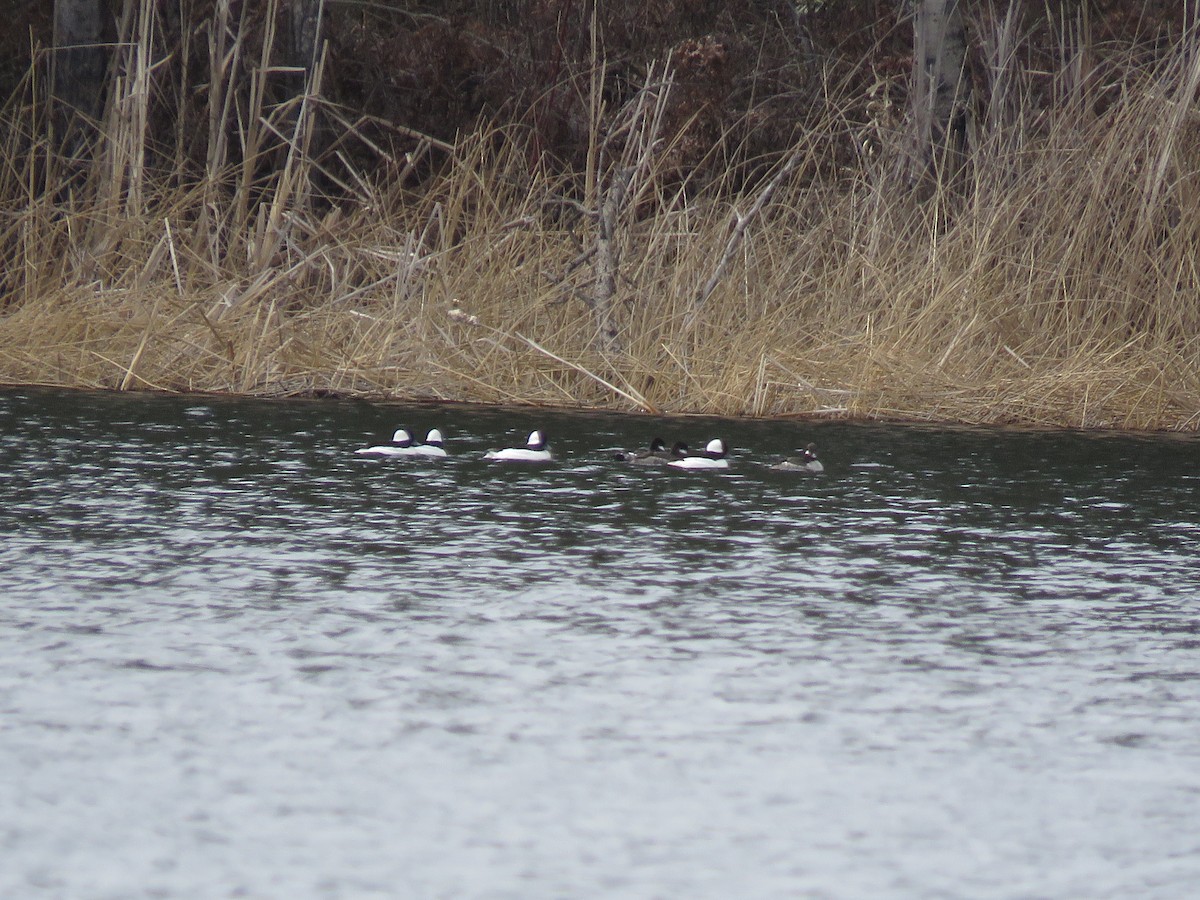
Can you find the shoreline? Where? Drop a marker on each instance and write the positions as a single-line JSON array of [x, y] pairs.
[[911, 419]]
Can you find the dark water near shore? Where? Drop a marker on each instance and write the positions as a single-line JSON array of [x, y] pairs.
[[240, 661]]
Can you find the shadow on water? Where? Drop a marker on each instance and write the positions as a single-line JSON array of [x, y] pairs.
[[530, 680]]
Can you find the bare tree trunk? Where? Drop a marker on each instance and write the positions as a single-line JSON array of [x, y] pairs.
[[302, 39], [940, 90], [303, 25], [78, 72]]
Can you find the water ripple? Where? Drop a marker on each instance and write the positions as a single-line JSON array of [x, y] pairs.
[[961, 663]]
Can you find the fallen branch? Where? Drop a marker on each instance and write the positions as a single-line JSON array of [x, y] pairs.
[[631, 395]]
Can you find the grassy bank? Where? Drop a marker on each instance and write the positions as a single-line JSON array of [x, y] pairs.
[[1051, 281]]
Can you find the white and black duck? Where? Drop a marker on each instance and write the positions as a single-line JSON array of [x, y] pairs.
[[714, 457], [400, 445], [536, 449]]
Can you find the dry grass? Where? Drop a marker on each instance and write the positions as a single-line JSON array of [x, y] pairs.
[[1054, 282]]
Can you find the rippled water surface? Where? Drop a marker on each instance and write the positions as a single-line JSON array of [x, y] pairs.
[[239, 661]]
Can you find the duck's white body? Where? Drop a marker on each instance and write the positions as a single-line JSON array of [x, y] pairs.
[[401, 445], [699, 462], [535, 450], [713, 458], [519, 454]]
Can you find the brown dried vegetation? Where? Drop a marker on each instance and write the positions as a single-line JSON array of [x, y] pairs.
[[468, 194]]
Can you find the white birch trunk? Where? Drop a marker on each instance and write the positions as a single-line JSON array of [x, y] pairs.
[[940, 88], [302, 38]]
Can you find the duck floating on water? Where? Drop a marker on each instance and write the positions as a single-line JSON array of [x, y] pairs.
[[535, 450], [657, 455], [433, 445], [713, 458], [402, 444], [806, 462]]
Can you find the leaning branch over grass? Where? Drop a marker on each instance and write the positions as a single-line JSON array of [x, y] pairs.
[[736, 236], [632, 396]]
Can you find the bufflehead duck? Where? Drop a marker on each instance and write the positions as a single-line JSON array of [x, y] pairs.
[[713, 458], [401, 445], [432, 446], [657, 455], [535, 450], [806, 462]]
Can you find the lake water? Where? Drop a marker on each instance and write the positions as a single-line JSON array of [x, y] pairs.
[[239, 661]]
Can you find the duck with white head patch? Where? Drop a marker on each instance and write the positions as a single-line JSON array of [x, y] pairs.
[[535, 450], [712, 458], [806, 462], [432, 447], [657, 455], [401, 445]]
